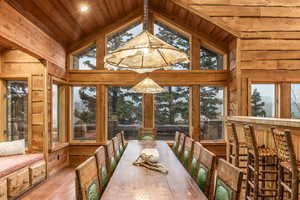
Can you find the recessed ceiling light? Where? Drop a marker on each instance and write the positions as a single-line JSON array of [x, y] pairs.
[[84, 8]]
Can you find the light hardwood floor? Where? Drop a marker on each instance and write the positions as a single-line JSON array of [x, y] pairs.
[[58, 187]]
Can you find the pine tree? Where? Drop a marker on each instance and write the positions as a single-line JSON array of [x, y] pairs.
[[257, 104]]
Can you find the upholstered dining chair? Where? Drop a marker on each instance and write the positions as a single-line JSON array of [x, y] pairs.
[[176, 140], [100, 156], [121, 143], [180, 148], [206, 166], [87, 181], [228, 181], [111, 159], [116, 145], [195, 158], [187, 154]]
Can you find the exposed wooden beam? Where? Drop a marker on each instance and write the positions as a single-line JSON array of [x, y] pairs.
[[186, 4]]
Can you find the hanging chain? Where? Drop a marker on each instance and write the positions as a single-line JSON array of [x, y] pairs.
[[146, 15]]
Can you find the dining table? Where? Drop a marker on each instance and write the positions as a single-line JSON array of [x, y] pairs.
[[130, 182]]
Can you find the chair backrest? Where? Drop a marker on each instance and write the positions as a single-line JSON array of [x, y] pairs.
[[195, 157], [121, 143], [123, 138], [206, 167], [175, 145], [100, 155], [284, 146], [180, 145], [87, 181], [228, 181], [111, 159], [251, 140], [188, 152], [232, 135], [147, 133], [116, 148]]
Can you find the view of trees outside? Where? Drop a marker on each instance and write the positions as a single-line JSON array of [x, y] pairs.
[[172, 112], [84, 113], [210, 60], [175, 39], [55, 114], [17, 110], [295, 100], [85, 59], [212, 112], [263, 100], [124, 112]]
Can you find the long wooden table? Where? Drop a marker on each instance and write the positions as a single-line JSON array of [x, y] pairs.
[[130, 182]]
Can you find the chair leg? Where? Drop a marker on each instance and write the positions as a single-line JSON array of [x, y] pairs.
[[247, 193], [295, 186]]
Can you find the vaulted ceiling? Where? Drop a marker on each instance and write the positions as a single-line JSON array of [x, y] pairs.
[[62, 19]]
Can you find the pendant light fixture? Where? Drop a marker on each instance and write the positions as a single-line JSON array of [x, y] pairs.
[[147, 86]]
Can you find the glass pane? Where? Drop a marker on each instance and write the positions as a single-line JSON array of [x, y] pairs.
[[84, 113], [210, 60], [120, 38], [86, 59], [172, 112], [295, 100], [55, 114], [173, 38], [17, 110], [212, 113], [263, 100], [124, 112]]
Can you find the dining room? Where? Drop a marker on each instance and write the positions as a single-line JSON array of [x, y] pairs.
[[149, 100]]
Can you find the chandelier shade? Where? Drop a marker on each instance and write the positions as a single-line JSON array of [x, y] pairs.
[[145, 53], [147, 86]]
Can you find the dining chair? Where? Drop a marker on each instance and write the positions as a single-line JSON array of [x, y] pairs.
[[111, 159], [180, 145], [228, 181], [87, 181], [288, 166], [175, 145], [261, 180], [123, 139], [206, 166], [100, 156], [116, 148], [147, 133], [121, 143], [187, 154], [195, 158]]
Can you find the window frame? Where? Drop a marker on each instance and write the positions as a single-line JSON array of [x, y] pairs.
[[72, 54], [72, 140], [217, 51]]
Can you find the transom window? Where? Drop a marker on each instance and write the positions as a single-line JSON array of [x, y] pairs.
[[210, 60], [85, 59]]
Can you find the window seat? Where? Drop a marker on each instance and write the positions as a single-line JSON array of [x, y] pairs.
[[10, 164]]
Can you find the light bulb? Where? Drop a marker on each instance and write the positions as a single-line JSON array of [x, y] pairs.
[[84, 8], [146, 51]]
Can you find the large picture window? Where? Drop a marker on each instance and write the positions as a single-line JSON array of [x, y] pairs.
[[175, 39], [120, 38], [263, 100], [124, 112], [210, 60], [84, 113], [17, 110], [172, 112], [295, 100], [212, 113], [55, 114], [85, 59]]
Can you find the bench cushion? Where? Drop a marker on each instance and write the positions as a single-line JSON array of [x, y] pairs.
[[10, 164]]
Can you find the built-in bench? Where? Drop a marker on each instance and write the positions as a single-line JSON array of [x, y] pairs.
[[19, 173]]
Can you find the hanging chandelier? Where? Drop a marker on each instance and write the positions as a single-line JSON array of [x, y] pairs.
[[145, 53], [147, 86]]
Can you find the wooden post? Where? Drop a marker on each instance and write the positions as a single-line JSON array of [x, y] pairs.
[[284, 100], [148, 111], [101, 117], [195, 53], [45, 131], [195, 113], [101, 48]]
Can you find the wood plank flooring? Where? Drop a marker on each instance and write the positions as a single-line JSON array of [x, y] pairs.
[[58, 187]]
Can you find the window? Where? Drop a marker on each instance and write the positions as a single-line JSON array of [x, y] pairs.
[[295, 100], [84, 113], [55, 115], [17, 110], [210, 60], [263, 100], [212, 113], [172, 112], [175, 39], [120, 38], [124, 112], [85, 59]]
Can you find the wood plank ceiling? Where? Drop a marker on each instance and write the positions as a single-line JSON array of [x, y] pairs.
[[62, 19]]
